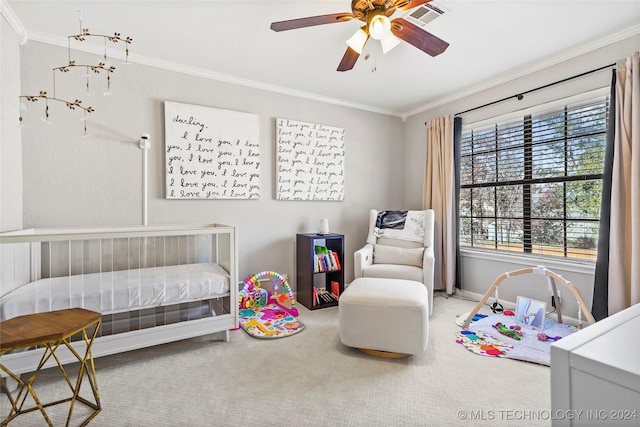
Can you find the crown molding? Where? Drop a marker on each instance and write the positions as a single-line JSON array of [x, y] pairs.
[[199, 72], [584, 49], [15, 24]]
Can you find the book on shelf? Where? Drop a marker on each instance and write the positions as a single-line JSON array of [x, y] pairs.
[[335, 289], [322, 296], [325, 260], [336, 260], [331, 261]]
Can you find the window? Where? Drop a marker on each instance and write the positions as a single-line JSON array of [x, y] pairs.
[[533, 184]]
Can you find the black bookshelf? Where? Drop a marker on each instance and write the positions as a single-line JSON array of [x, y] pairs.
[[309, 274]]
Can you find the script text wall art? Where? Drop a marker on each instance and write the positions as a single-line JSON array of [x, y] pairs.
[[210, 153], [310, 161]]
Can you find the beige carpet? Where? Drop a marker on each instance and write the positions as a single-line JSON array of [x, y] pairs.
[[311, 379]]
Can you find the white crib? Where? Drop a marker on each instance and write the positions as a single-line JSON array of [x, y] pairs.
[[152, 284]]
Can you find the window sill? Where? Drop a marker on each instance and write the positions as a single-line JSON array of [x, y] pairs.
[[523, 261]]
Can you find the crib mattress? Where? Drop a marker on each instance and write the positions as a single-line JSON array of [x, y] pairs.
[[118, 291]]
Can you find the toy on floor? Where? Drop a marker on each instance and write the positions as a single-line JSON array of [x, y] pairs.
[[530, 348], [544, 337], [252, 295], [483, 344], [477, 317], [512, 331], [463, 317], [264, 314]]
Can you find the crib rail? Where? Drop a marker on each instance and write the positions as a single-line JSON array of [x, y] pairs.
[[35, 255], [75, 233]]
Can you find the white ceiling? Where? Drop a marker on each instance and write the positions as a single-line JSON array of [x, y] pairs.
[[490, 42]]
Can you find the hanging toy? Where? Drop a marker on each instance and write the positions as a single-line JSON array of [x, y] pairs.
[[496, 307], [281, 292]]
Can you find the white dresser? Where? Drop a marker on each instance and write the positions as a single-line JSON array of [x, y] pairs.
[[595, 373]]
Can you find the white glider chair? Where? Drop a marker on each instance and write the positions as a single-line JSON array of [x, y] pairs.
[[396, 249]]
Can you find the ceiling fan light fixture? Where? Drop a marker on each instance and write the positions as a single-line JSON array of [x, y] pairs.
[[375, 14], [389, 42], [379, 27], [357, 41]]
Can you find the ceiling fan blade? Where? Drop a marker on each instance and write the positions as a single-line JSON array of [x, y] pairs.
[[409, 4], [348, 60], [310, 21], [418, 37]]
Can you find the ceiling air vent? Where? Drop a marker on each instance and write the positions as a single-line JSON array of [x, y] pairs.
[[424, 14]]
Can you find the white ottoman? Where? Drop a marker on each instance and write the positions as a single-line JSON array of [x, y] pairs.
[[385, 315]]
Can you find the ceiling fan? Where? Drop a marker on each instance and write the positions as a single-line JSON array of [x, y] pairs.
[[375, 14]]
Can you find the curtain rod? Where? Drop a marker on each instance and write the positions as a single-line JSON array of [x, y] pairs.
[[519, 96]]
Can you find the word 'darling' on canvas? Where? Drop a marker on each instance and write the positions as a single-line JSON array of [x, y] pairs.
[[310, 161], [211, 153]]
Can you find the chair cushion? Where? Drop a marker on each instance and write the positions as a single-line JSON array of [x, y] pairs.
[[383, 254], [398, 243], [394, 271], [384, 293]]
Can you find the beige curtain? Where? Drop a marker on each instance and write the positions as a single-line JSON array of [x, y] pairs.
[[439, 195], [624, 242]]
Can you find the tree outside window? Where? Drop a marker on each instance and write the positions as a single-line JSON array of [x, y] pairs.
[[534, 185]]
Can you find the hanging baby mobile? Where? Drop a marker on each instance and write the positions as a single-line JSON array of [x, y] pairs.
[[265, 314], [102, 67]]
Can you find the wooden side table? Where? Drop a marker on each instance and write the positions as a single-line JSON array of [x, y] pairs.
[[51, 330]]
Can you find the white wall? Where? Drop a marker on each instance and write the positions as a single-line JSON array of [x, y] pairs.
[[479, 270], [10, 138], [71, 180]]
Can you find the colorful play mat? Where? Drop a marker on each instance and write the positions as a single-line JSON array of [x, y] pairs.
[[500, 335], [268, 315]]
